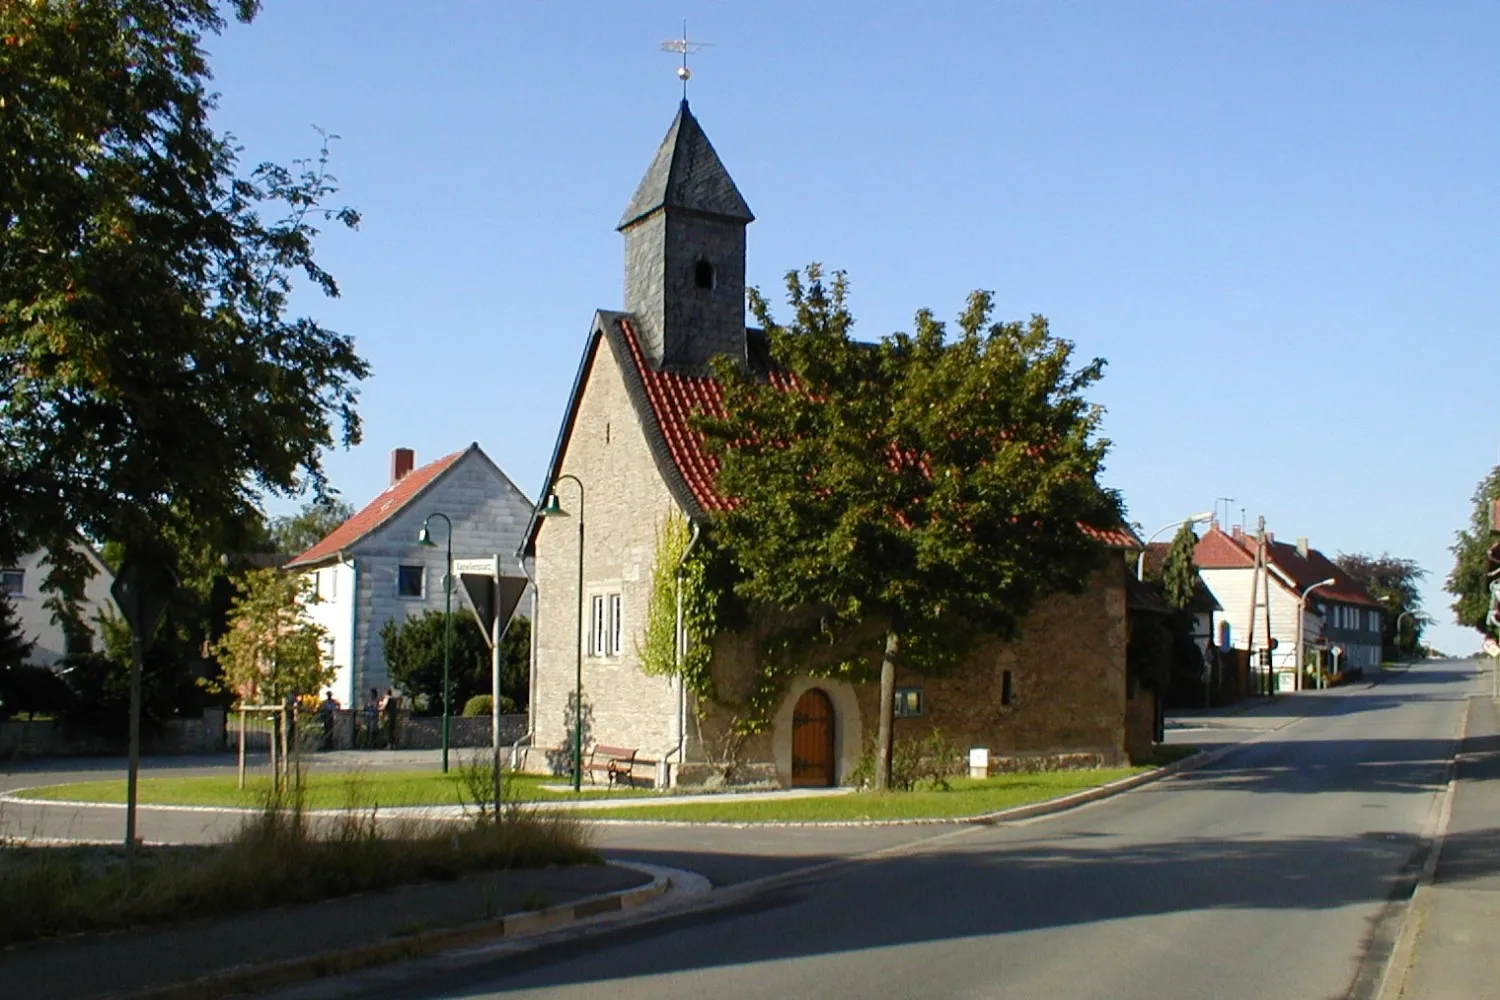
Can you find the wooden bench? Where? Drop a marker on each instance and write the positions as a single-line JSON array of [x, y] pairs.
[[617, 762]]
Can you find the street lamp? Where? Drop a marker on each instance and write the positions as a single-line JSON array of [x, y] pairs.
[[554, 508], [1301, 614], [1140, 563], [1396, 638], [424, 537]]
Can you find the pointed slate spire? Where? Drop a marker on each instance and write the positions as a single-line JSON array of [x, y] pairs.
[[686, 173]]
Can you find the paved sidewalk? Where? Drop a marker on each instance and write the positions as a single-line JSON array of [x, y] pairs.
[[1457, 917], [91, 966]]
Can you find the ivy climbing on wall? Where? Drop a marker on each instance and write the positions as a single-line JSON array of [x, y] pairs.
[[700, 600]]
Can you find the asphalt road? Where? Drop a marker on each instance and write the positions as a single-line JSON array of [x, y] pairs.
[[1265, 875]]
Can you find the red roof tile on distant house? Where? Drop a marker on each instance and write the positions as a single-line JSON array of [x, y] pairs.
[[385, 506], [1216, 550]]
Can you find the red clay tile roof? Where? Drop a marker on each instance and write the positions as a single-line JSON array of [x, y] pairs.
[[1216, 550], [675, 397], [385, 506]]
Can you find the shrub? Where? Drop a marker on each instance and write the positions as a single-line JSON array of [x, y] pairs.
[[931, 759], [31, 690], [480, 704]]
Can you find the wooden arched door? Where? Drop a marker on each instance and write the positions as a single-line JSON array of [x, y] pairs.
[[812, 741]]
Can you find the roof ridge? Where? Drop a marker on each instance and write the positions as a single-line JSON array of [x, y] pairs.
[[382, 507]]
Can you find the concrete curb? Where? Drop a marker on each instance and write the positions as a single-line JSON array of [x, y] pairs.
[[1015, 813], [1413, 911], [279, 975]]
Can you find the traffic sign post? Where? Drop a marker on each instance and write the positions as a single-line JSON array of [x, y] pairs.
[[142, 591], [492, 597]]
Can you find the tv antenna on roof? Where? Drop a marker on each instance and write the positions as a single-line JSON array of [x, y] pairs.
[[686, 47]]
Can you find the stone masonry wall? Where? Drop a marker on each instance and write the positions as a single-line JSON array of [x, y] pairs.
[[1067, 681], [626, 503]]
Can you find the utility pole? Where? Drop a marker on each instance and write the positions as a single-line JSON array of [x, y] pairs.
[[1265, 577]]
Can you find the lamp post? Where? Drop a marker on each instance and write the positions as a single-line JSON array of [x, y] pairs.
[[1302, 614], [1140, 562], [553, 508], [1396, 638], [424, 537]]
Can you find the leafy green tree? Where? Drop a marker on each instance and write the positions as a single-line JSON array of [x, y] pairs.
[[1468, 581], [1179, 574], [414, 657], [934, 487], [14, 646], [1180, 587], [272, 650], [152, 378], [296, 533], [1394, 583]]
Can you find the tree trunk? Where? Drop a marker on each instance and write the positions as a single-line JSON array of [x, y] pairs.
[[887, 709]]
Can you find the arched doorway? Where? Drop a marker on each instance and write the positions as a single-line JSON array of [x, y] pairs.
[[812, 741]]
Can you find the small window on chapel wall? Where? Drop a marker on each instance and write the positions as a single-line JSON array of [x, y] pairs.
[[703, 275]]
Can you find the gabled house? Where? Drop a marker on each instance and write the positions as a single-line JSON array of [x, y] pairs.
[[1059, 691], [23, 584], [371, 568], [1340, 621]]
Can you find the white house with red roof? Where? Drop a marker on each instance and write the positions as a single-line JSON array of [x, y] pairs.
[[627, 439], [1340, 615], [371, 568]]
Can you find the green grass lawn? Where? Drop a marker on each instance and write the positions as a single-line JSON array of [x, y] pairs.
[[968, 797], [325, 790]]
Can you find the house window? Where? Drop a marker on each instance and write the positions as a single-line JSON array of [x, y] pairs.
[[12, 581], [597, 625], [606, 625], [616, 627], [328, 649], [703, 275], [908, 703], [1007, 689], [409, 580]]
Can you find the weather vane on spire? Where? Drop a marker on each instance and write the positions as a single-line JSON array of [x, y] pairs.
[[686, 47]]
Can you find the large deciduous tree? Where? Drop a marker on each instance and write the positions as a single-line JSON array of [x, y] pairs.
[[295, 533], [1469, 581], [153, 379], [1394, 583], [931, 485]]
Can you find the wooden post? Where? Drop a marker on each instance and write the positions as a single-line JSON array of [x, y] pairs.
[[1265, 575]]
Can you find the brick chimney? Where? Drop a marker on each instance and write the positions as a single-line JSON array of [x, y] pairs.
[[403, 460], [1302, 547], [1236, 532]]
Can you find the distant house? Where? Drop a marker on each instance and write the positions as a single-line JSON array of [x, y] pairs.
[[1340, 617], [371, 568], [23, 583]]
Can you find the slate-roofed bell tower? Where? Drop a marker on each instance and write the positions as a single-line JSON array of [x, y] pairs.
[[685, 254]]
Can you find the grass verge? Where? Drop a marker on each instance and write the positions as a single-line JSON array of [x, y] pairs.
[[281, 856], [967, 797], [322, 790]]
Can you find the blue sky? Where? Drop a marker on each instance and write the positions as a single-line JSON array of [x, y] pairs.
[[1277, 221]]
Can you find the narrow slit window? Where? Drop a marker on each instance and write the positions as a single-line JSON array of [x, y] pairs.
[[616, 625], [1007, 689], [703, 275], [597, 626]]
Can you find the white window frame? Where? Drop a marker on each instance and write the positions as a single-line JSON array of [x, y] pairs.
[[616, 624], [20, 585], [597, 625]]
